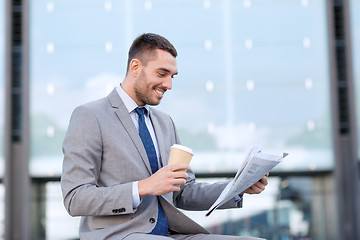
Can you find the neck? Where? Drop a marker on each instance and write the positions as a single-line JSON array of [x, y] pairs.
[[129, 90]]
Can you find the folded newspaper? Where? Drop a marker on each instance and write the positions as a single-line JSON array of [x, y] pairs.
[[254, 167]]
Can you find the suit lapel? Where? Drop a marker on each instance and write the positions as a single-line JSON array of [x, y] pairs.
[[125, 119]]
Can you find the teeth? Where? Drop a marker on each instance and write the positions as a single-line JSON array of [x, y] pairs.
[[160, 92]]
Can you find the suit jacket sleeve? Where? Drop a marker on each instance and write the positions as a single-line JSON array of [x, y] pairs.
[[200, 196], [83, 150]]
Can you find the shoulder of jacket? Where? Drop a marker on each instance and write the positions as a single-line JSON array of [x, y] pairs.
[[159, 113], [94, 104]]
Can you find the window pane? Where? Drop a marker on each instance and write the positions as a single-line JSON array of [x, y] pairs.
[[247, 74], [355, 31], [59, 224], [249, 71], [76, 56]]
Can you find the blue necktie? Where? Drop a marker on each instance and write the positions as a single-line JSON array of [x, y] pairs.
[[161, 227]]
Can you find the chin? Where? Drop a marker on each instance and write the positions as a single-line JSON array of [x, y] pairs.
[[154, 103]]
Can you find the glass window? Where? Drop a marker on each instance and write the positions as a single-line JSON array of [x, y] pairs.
[[59, 224], [76, 55], [242, 80], [249, 71], [355, 31]]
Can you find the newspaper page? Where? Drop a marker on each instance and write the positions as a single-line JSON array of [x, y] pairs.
[[254, 167]]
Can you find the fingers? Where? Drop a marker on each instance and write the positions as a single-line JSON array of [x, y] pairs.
[[166, 179], [176, 170], [181, 174], [259, 186], [178, 181], [178, 167], [254, 190], [264, 180]]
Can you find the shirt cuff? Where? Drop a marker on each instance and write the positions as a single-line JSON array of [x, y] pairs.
[[238, 198], [135, 194]]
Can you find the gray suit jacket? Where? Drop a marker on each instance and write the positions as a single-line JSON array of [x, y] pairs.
[[103, 155]]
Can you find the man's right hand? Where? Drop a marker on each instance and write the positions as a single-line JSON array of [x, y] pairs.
[[166, 179]]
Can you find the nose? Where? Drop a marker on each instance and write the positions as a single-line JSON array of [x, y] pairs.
[[167, 83]]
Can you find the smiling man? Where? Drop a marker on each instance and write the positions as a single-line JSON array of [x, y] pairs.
[[115, 173]]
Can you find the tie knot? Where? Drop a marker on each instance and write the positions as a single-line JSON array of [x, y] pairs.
[[140, 111]]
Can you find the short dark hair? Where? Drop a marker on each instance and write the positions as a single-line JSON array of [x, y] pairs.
[[148, 42]]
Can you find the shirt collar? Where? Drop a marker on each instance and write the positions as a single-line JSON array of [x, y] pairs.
[[130, 104]]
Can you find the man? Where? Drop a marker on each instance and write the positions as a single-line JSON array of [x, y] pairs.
[[115, 172]]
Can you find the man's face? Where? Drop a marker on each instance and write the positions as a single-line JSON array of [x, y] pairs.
[[155, 78]]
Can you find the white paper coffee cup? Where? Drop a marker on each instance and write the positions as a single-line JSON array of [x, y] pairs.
[[180, 154]]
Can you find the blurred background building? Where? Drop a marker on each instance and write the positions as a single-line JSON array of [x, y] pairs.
[[282, 73]]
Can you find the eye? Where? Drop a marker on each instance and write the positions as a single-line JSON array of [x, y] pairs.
[[161, 74]]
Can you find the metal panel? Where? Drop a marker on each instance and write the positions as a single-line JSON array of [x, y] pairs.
[[343, 115], [17, 182]]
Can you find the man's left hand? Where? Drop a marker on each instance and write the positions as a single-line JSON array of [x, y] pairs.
[[258, 187]]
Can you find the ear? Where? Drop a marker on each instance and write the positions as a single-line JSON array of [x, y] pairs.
[[135, 67]]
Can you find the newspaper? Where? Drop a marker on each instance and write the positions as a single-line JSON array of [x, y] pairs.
[[254, 167]]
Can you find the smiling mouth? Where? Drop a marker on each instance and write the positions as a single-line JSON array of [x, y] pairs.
[[159, 92]]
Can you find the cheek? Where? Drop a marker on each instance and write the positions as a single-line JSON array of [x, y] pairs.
[[147, 79]]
